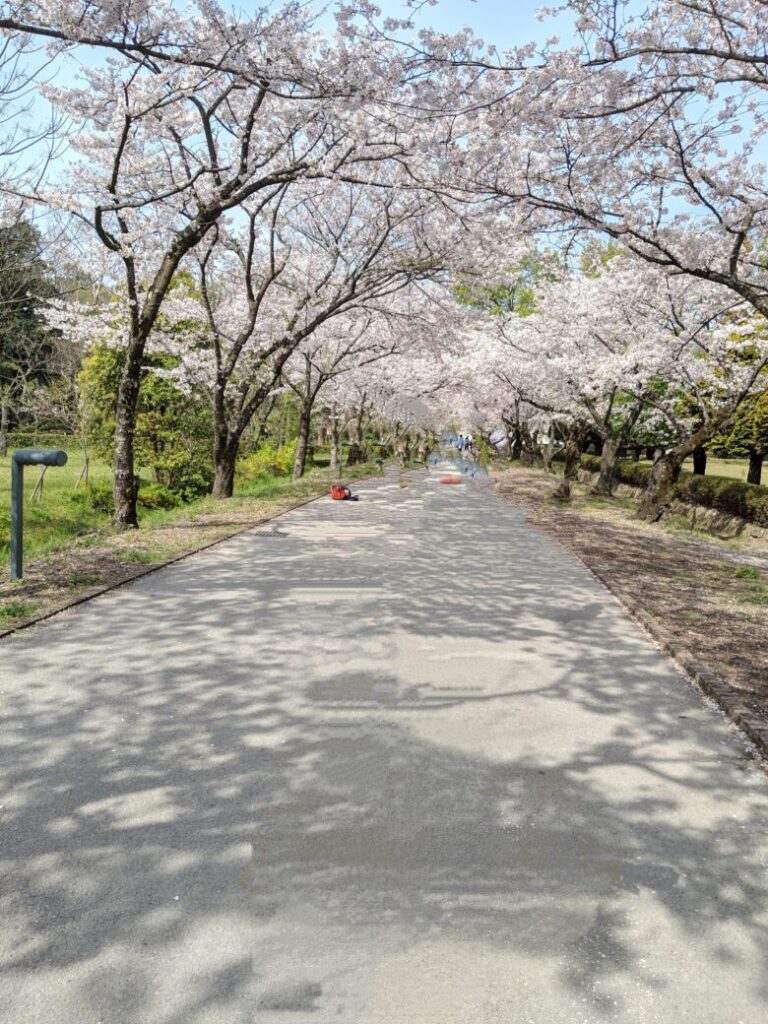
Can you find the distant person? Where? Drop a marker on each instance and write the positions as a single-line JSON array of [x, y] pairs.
[[460, 443]]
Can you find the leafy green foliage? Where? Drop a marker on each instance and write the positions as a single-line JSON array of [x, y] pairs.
[[633, 473], [98, 494], [733, 497], [25, 280], [158, 496], [515, 294], [268, 461], [748, 431], [173, 430]]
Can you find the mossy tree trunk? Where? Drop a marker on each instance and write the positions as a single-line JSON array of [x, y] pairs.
[[572, 452], [755, 472], [666, 470]]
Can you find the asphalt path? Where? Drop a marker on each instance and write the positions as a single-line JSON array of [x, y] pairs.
[[400, 761]]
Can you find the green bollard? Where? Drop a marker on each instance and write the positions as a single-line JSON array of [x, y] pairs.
[[21, 458]]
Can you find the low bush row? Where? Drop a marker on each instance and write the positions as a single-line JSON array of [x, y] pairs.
[[733, 497]]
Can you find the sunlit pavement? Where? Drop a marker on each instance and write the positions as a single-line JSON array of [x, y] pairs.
[[401, 760]]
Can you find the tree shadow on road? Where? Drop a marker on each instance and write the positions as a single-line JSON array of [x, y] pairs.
[[275, 734]]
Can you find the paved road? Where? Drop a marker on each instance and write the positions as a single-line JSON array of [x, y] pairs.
[[395, 762]]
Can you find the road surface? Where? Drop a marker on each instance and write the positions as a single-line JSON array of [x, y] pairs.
[[396, 762]]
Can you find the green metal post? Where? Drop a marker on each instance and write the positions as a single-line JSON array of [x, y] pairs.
[[17, 518], [21, 458]]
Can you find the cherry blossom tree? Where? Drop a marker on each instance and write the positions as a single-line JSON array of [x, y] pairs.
[[647, 131], [309, 256], [602, 348], [190, 117], [340, 346]]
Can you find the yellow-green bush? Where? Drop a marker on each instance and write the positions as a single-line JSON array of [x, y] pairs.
[[268, 461]]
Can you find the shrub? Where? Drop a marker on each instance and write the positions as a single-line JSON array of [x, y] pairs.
[[484, 451], [98, 495], [627, 472], [268, 461], [158, 496], [734, 497], [633, 473], [186, 476]]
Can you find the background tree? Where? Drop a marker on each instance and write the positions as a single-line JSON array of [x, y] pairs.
[[26, 347]]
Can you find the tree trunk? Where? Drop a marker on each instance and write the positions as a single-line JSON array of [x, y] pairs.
[[302, 442], [261, 430], [4, 411], [528, 448], [224, 461], [755, 466], [547, 453], [571, 469], [699, 460], [658, 490], [666, 470], [608, 459], [650, 453], [335, 446], [124, 488], [516, 450]]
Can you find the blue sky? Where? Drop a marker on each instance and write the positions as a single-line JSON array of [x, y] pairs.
[[503, 23]]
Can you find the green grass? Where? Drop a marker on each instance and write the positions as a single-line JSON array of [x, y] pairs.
[[734, 469], [746, 573], [13, 610], [55, 518], [138, 555], [615, 501]]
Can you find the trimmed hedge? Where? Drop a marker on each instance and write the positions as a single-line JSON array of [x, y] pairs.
[[733, 497], [627, 472], [29, 439]]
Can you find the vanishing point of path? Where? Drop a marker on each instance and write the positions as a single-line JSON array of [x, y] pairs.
[[395, 762]]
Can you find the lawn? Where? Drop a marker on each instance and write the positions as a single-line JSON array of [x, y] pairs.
[[734, 468], [60, 512]]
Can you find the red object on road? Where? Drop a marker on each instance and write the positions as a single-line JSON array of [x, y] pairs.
[[340, 493], [450, 480]]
